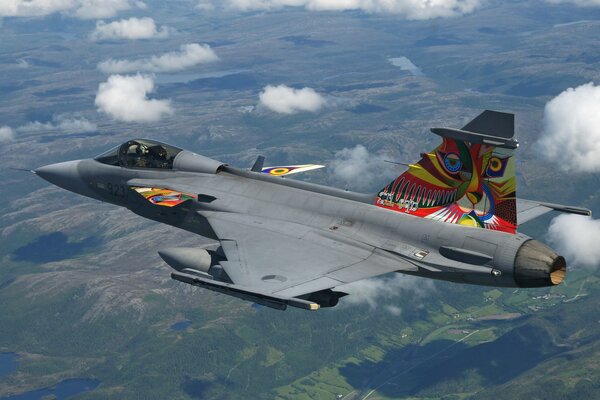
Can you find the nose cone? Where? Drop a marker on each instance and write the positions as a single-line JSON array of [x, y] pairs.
[[536, 265], [65, 175]]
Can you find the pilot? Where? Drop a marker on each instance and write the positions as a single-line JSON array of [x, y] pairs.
[[141, 154], [157, 157]]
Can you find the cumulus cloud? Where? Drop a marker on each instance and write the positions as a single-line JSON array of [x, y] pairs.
[[379, 291], [132, 29], [125, 98], [188, 56], [61, 123], [6, 134], [571, 137], [357, 168], [286, 100], [576, 238], [85, 9], [411, 9]]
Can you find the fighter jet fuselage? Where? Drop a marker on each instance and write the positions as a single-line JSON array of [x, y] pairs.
[[287, 242]]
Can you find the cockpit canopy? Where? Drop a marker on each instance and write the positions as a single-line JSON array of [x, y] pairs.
[[141, 153]]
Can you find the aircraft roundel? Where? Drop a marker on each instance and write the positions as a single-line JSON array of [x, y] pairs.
[[279, 171], [282, 170]]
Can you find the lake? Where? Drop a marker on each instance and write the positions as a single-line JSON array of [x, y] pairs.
[[54, 247], [8, 363], [181, 325]]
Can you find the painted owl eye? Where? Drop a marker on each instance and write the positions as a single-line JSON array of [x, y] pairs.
[[496, 167], [452, 162]]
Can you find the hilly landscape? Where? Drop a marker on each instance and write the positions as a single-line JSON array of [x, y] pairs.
[[87, 307]]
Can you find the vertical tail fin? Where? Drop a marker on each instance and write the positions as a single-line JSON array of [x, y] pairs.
[[469, 179]]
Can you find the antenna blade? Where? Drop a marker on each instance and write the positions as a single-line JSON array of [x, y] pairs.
[[258, 164]]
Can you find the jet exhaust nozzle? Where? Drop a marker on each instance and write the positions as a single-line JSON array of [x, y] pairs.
[[537, 265]]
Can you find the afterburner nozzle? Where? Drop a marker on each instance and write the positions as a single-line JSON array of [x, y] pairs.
[[537, 265]]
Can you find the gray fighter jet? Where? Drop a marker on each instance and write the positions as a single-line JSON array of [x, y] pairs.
[[281, 242]]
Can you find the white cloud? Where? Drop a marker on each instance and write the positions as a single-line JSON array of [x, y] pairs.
[[85, 9], [379, 291], [357, 168], [132, 29], [205, 6], [571, 137], [93, 9], [394, 310], [411, 9], [76, 125], [124, 98], [22, 63], [60, 123], [188, 56], [576, 238], [580, 3], [405, 64], [6, 134], [287, 100]]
